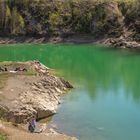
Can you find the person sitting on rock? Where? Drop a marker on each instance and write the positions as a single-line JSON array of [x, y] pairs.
[[21, 69], [32, 124], [5, 69], [24, 69], [17, 69]]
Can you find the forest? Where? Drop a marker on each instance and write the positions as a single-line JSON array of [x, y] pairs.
[[65, 17], [69, 69]]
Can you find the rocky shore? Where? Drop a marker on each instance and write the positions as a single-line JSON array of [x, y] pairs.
[[11, 132], [76, 38], [32, 92], [122, 43], [29, 89], [116, 42]]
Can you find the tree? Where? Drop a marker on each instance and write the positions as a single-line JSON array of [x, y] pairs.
[[17, 22]]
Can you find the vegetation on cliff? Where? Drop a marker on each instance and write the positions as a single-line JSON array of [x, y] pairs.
[[59, 17]]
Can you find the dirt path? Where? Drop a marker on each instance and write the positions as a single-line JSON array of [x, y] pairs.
[[21, 133]]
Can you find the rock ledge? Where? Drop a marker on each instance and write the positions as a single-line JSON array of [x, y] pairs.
[[31, 89]]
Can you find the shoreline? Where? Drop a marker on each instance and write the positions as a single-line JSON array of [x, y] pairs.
[[116, 42], [9, 131], [30, 89], [80, 38]]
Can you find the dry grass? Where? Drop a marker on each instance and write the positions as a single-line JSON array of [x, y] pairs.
[[3, 134], [2, 137], [3, 79]]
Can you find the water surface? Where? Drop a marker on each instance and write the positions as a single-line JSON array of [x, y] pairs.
[[105, 103]]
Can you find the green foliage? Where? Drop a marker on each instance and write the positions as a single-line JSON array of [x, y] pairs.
[[55, 20], [51, 16], [2, 137], [17, 22], [3, 79]]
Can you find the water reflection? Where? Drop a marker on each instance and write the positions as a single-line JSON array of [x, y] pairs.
[[89, 67], [105, 103], [93, 69]]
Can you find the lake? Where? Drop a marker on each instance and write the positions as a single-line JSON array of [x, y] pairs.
[[105, 101]]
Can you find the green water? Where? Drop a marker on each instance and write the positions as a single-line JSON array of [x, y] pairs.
[[105, 103]]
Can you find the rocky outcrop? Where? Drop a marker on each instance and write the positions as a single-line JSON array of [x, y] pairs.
[[27, 95], [107, 19], [124, 41]]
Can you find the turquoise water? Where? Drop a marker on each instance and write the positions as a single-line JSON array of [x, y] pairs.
[[105, 103]]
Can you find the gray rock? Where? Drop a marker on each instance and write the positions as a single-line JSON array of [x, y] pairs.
[[39, 96]]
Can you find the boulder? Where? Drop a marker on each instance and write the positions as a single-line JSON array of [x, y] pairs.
[[37, 95], [122, 43]]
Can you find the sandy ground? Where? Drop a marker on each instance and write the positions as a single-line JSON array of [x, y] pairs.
[[16, 84], [21, 133]]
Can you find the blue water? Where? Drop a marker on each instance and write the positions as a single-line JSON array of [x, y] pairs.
[[105, 103]]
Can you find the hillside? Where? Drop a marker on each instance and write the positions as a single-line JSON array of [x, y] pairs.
[[101, 18]]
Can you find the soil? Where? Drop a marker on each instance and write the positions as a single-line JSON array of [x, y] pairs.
[[20, 133], [24, 94]]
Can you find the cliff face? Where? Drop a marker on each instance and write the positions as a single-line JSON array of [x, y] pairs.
[[110, 21], [54, 17]]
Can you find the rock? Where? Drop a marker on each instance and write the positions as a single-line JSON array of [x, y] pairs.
[[66, 83], [32, 95], [122, 43], [110, 20]]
